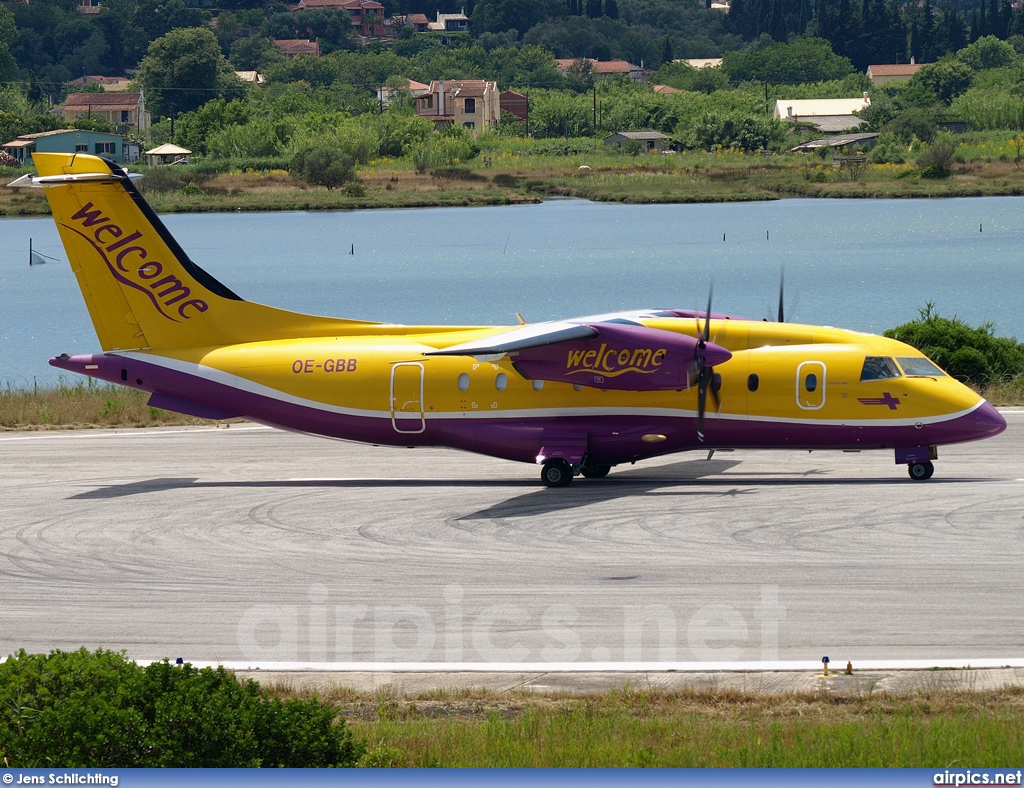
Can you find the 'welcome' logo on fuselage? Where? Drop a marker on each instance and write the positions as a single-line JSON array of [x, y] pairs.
[[131, 264], [611, 363]]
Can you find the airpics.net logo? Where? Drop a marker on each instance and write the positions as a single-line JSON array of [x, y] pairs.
[[128, 260], [457, 630], [973, 777]]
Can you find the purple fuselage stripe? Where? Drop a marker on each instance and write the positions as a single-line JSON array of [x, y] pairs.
[[612, 439]]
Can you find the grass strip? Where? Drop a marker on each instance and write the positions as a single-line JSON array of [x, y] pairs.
[[686, 178], [688, 728], [83, 404]]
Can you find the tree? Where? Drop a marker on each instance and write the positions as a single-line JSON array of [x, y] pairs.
[[184, 69], [987, 52], [8, 35], [255, 54], [496, 16], [579, 76], [946, 79], [806, 60]]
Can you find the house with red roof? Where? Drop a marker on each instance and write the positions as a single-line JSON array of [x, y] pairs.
[[291, 48], [472, 103], [894, 72], [125, 111], [604, 68], [367, 15]]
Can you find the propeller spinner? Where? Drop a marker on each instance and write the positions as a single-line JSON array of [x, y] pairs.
[[706, 356]]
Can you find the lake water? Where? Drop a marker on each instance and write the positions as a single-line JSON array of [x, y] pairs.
[[861, 264]]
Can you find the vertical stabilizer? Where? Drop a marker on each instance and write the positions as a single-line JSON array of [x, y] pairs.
[[141, 289]]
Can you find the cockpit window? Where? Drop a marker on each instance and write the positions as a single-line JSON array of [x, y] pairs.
[[918, 367], [879, 368]]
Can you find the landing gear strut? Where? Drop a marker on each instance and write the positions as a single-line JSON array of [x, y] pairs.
[[556, 473], [919, 471]]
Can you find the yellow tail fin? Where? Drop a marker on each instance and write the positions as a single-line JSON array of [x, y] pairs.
[[141, 289]]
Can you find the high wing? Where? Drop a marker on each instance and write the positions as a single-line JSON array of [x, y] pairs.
[[614, 351]]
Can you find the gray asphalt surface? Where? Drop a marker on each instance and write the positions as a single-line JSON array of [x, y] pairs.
[[251, 544]]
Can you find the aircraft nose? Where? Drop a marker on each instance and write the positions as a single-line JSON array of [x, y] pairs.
[[987, 421]]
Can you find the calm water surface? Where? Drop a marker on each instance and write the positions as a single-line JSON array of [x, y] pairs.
[[861, 264]]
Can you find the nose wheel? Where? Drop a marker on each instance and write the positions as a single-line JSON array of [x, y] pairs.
[[920, 471]]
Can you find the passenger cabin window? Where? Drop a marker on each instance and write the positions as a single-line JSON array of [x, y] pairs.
[[501, 381], [879, 368], [463, 382], [914, 367], [752, 382], [811, 383]]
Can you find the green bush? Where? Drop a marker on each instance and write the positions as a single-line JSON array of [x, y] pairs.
[[749, 132], [82, 709], [447, 147], [171, 179], [328, 167], [218, 166], [889, 149], [973, 354], [936, 161]]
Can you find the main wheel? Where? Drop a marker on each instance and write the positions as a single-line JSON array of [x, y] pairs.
[[595, 471], [919, 471], [556, 473]]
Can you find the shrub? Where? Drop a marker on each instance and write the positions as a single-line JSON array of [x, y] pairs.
[[936, 161], [456, 174], [83, 709], [328, 167], [192, 190], [257, 138], [445, 148], [975, 354], [733, 131], [171, 179], [888, 150]]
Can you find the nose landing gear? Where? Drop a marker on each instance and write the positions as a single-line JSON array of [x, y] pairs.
[[918, 460], [920, 471]]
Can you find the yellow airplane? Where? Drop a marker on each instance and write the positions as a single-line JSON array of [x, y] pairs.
[[575, 397]]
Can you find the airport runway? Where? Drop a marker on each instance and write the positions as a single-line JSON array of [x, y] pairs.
[[251, 544]]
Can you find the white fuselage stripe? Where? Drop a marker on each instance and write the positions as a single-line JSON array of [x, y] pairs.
[[215, 375]]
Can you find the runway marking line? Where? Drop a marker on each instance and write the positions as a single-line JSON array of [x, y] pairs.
[[142, 433], [603, 667]]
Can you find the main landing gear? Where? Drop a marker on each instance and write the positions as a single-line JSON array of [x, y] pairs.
[[919, 471], [558, 473]]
